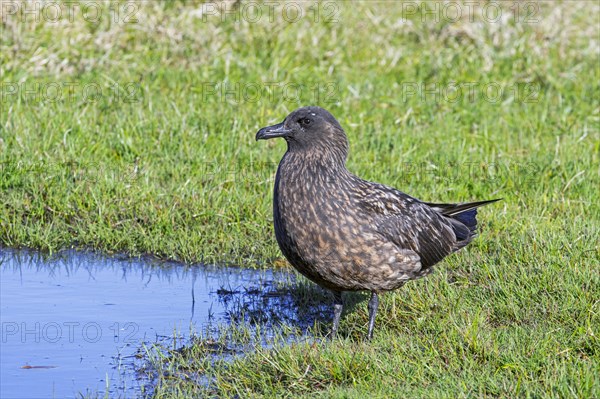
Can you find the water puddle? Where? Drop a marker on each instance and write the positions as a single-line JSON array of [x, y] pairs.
[[75, 323]]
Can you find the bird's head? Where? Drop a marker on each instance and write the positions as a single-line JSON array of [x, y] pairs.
[[309, 129]]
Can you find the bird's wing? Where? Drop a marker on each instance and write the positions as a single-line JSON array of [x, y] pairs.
[[411, 224], [463, 217], [456, 209]]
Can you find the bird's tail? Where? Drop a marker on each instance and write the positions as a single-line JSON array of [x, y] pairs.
[[462, 215]]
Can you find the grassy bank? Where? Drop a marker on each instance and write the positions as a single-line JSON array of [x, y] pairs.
[[131, 129]]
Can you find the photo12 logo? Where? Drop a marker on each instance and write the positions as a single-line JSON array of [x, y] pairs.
[[452, 172], [69, 92], [68, 331], [471, 92], [526, 12], [55, 173], [270, 11], [273, 92], [118, 12]]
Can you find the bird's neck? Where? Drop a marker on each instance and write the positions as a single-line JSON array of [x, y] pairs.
[[316, 162], [331, 153]]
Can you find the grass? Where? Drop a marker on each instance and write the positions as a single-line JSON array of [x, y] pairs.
[[163, 161]]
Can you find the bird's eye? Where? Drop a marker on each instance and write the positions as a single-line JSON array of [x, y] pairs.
[[305, 121]]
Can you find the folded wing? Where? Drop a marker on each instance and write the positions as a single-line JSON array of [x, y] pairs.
[[431, 230]]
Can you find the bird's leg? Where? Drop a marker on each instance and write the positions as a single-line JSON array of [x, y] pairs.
[[338, 305], [373, 304]]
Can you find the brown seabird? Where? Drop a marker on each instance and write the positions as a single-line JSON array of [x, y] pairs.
[[348, 234]]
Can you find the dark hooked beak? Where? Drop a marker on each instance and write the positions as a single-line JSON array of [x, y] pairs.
[[270, 132]]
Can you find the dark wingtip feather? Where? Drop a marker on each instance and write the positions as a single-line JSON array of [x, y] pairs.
[[455, 209], [468, 218], [463, 217]]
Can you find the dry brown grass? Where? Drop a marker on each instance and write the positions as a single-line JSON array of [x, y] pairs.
[[200, 33]]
